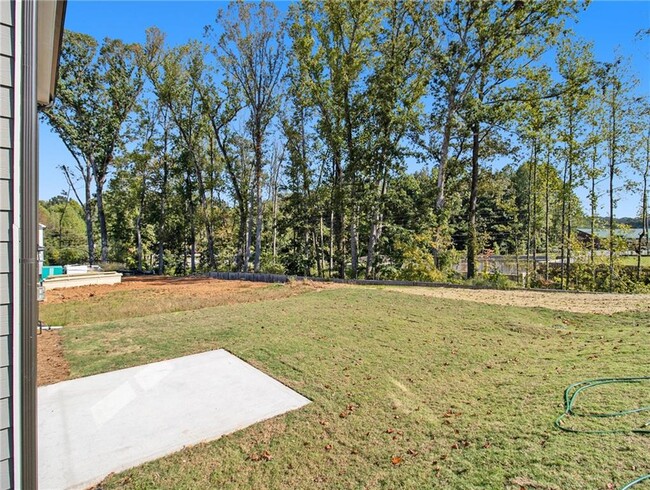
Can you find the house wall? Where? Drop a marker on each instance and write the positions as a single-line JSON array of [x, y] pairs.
[[7, 182]]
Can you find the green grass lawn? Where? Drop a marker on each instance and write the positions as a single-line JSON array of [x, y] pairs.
[[407, 392]]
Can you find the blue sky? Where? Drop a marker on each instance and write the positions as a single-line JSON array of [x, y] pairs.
[[610, 25]]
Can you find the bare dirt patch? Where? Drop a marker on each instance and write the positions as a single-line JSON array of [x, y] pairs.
[[574, 302], [196, 286], [144, 296], [51, 365]]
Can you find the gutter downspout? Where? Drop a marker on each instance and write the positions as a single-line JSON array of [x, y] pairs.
[[28, 479]]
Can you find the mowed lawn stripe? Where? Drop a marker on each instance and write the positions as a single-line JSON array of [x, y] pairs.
[[408, 392]]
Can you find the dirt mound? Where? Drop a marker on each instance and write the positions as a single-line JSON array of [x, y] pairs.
[[198, 286], [574, 302]]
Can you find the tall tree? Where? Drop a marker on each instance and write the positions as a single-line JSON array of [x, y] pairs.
[[537, 118], [501, 63], [252, 52], [615, 85], [97, 90], [505, 26], [175, 75], [640, 163], [394, 89], [575, 64], [331, 47]]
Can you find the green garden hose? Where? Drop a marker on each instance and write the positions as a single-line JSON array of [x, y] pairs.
[[570, 395], [638, 480]]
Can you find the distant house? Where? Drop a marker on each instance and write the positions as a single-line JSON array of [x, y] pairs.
[[601, 236]]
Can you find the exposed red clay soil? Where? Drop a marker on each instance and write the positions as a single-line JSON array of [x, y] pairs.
[[51, 365], [197, 286]]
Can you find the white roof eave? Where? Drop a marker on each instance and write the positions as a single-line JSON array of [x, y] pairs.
[[50, 19]]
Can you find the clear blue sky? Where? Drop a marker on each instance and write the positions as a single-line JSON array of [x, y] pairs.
[[610, 25]]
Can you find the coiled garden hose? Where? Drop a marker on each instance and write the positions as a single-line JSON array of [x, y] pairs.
[[638, 480], [570, 396]]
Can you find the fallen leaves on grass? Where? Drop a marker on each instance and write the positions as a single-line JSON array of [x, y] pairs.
[[348, 410], [451, 413], [396, 460], [264, 455]]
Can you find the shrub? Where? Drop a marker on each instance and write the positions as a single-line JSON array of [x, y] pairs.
[[494, 280]]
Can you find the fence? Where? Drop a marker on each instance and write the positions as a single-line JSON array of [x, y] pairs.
[[282, 278]]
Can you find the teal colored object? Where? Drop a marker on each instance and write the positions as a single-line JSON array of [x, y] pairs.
[[52, 270]]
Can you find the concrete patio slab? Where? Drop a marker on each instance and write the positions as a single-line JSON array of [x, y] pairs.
[[110, 422]]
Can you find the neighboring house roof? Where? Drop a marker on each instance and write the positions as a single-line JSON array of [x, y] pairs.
[[628, 234]]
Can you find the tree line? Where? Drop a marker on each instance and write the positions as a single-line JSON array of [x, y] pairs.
[[381, 139]]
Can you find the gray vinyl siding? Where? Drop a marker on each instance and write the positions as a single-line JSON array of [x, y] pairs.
[[7, 73]]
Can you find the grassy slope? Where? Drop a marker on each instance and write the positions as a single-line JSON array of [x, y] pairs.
[[465, 394], [135, 303]]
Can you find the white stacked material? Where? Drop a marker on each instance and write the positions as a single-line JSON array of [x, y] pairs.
[[72, 270]]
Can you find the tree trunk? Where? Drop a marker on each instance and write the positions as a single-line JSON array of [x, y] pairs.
[[257, 141], [353, 246], [249, 228], [331, 268], [101, 215], [352, 171], [306, 253], [534, 185], [100, 178], [546, 218], [88, 218], [193, 248], [86, 173], [372, 240], [528, 223], [163, 199], [242, 236], [644, 209], [593, 201], [472, 243], [239, 195], [318, 253], [569, 206], [612, 169], [275, 219], [138, 240], [205, 208], [138, 222], [163, 215], [444, 153], [321, 256], [376, 226], [517, 260], [563, 226], [339, 214]]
